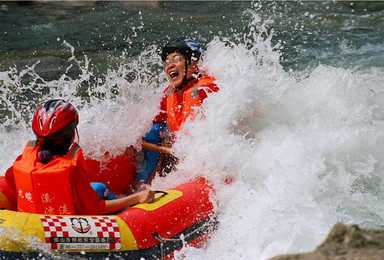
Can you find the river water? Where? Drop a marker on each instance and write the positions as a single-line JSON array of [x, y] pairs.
[[298, 122]]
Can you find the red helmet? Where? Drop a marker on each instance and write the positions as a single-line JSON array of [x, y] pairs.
[[55, 118]]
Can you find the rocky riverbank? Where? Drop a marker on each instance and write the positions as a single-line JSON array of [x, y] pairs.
[[345, 243]]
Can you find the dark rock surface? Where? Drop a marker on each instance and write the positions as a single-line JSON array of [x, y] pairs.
[[346, 243]]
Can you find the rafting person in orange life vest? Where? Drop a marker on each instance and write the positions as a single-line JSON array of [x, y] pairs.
[[50, 176], [181, 101]]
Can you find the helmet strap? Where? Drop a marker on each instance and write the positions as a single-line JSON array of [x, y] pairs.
[[76, 133], [185, 80]]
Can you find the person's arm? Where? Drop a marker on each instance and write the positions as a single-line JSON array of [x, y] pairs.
[[9, 177], [87, 202], [145, 196], [85, 199], [8, 187]]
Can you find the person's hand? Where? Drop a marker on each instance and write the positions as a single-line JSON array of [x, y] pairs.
[[145, 196]]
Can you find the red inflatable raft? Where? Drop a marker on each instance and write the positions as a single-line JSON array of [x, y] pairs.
[[178, 217]]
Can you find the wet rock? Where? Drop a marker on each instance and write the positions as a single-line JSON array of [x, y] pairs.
[[49, 67], [344, 243]]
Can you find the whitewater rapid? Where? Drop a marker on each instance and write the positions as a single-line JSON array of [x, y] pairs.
[[304, 148], [305, 152]]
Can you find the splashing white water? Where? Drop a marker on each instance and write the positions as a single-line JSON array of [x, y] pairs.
[[303, 153]]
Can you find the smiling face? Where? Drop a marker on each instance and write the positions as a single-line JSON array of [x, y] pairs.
[[175, 68]]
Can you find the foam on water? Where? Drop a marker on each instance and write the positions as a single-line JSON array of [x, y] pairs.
[[304, 152]]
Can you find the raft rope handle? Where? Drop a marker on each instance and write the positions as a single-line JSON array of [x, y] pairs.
[[159, 191], [163, 240], [163, 193]]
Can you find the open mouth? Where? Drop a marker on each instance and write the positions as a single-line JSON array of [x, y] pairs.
[[173, 74]]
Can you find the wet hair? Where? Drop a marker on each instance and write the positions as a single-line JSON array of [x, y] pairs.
[[51, 147]]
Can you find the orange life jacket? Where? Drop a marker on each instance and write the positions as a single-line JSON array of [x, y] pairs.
[[186, 106], [45, 188]]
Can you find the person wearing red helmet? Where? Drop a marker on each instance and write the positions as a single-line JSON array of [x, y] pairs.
[[181, 100], [50, 176]]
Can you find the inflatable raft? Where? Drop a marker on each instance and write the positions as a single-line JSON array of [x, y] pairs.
[[178, 217]]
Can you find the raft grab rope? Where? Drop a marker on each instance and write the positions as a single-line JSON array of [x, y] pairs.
[[211, 223]]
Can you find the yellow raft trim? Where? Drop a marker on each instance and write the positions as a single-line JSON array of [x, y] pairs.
[[158, 203], [17, 225]]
